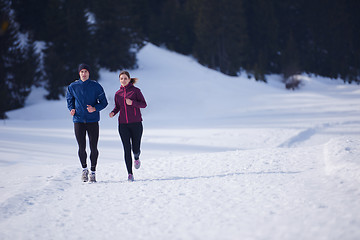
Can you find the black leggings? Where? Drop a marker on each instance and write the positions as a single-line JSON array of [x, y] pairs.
[[92, 129], [130, 135]]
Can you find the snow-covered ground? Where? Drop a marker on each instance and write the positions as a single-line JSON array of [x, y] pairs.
[[222, 158]]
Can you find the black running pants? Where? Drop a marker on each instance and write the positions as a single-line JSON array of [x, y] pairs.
[[92, 130], [130, 135]]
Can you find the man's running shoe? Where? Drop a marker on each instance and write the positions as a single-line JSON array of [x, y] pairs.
[[85, 175], [92, 177]]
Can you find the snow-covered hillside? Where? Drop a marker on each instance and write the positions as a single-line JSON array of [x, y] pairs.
[[222, 158]]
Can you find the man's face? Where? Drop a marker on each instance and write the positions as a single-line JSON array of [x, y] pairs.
[[84, 74]]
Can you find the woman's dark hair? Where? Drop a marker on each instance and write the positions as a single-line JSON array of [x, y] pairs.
[[132, 80]]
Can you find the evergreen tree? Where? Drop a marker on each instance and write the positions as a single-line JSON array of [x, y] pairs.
[[18, 63], [174, 26], [221, 35], [263, 31], [32, 16], [153, 24], [339, 44], [116, 40], [71, 44], [290, 64], [353, 8]]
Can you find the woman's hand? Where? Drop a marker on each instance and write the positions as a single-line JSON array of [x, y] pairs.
[[128, 101], [111, 114]]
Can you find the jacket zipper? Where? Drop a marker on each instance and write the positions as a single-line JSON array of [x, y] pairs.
[[127, 121]]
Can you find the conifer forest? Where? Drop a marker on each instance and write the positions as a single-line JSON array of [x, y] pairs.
[[43, 41]]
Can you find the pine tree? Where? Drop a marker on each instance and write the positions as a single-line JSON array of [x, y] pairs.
[[263, 31], [173, 26], [340, 42], [353, 8], [71, 44], [32, 16], [290, 58], [18, 64], [221, 35], [116, 40]]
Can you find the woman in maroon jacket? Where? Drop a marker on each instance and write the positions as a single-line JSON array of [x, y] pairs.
[[128, 101]]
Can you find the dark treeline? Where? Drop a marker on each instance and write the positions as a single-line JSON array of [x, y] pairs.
[[257, 36], [261, 36]]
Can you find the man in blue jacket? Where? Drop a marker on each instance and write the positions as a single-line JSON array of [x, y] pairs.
[[85, 99]]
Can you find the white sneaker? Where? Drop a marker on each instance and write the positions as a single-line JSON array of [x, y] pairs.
[[85, 175], [92, 177]]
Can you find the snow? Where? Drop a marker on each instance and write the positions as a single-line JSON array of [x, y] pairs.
[[222, 158]]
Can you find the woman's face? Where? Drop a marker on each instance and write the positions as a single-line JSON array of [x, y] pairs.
[[124, 80]]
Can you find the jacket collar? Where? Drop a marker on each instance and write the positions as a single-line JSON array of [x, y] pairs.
[[88, 80], [127, 86]]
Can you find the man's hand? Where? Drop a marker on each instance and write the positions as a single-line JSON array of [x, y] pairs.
[[91, 108], [72, 112]]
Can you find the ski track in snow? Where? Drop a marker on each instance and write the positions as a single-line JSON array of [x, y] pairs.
[[285, 168], [306, 134]]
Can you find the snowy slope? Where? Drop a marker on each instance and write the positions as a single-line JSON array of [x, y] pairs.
[[222, 158]]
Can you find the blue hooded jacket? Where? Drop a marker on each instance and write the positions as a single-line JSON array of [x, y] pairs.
[[80, 94]]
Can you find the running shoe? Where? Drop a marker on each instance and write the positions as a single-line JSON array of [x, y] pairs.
[[130, 178], [92, 177], [137, 164], [85, 175]]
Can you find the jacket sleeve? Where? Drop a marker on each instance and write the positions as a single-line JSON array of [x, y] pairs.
[[70, 99], [116, 108], [140, 100], [102, 101]]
